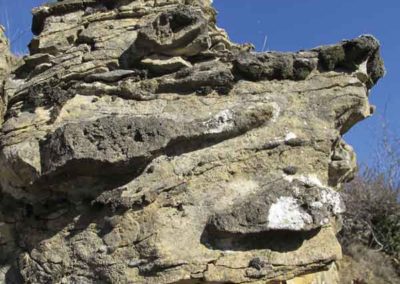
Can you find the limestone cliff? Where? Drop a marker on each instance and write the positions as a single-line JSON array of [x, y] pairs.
[[140, 145]]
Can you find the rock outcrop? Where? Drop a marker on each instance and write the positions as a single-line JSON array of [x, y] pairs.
[[7, 63], [140, 145]]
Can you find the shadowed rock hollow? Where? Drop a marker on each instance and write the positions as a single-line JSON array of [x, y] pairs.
[[140, 145]]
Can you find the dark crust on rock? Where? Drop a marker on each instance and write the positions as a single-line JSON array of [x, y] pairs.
[[123, 144], [349, 54], [173, 30]]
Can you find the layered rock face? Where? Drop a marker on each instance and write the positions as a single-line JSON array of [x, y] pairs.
[[7, 63], [140, 145]]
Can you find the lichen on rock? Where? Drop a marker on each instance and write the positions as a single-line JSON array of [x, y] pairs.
[[140, 145]]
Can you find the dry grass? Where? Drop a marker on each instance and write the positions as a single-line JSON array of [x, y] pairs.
[[371, 225], [364, 265]]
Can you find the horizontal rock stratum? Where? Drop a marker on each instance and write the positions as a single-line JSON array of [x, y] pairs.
[[140, 145]]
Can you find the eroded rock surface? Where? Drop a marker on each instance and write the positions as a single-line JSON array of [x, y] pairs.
[[140, 145]]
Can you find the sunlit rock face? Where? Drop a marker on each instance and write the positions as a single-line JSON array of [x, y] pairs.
[[7, 63], [140, 145]]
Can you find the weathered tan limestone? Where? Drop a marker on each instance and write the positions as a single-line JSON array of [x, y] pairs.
[[142, 146]]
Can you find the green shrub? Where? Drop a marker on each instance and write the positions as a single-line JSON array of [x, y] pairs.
[[388, 232]]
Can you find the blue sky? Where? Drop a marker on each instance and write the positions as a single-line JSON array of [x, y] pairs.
[[291, 25]]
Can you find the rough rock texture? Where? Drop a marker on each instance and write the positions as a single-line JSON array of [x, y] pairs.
[[7, 63], [141, 146]]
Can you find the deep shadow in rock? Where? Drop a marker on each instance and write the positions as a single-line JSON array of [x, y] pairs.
[[277, 240], [40, 221], [13, 276]]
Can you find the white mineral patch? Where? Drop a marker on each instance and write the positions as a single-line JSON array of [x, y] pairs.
[[290, 136], [288, 178], [286, 214], [328, 195], [333, 198], [276, 111], [317, 205], [220, 122], [311, 180]]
